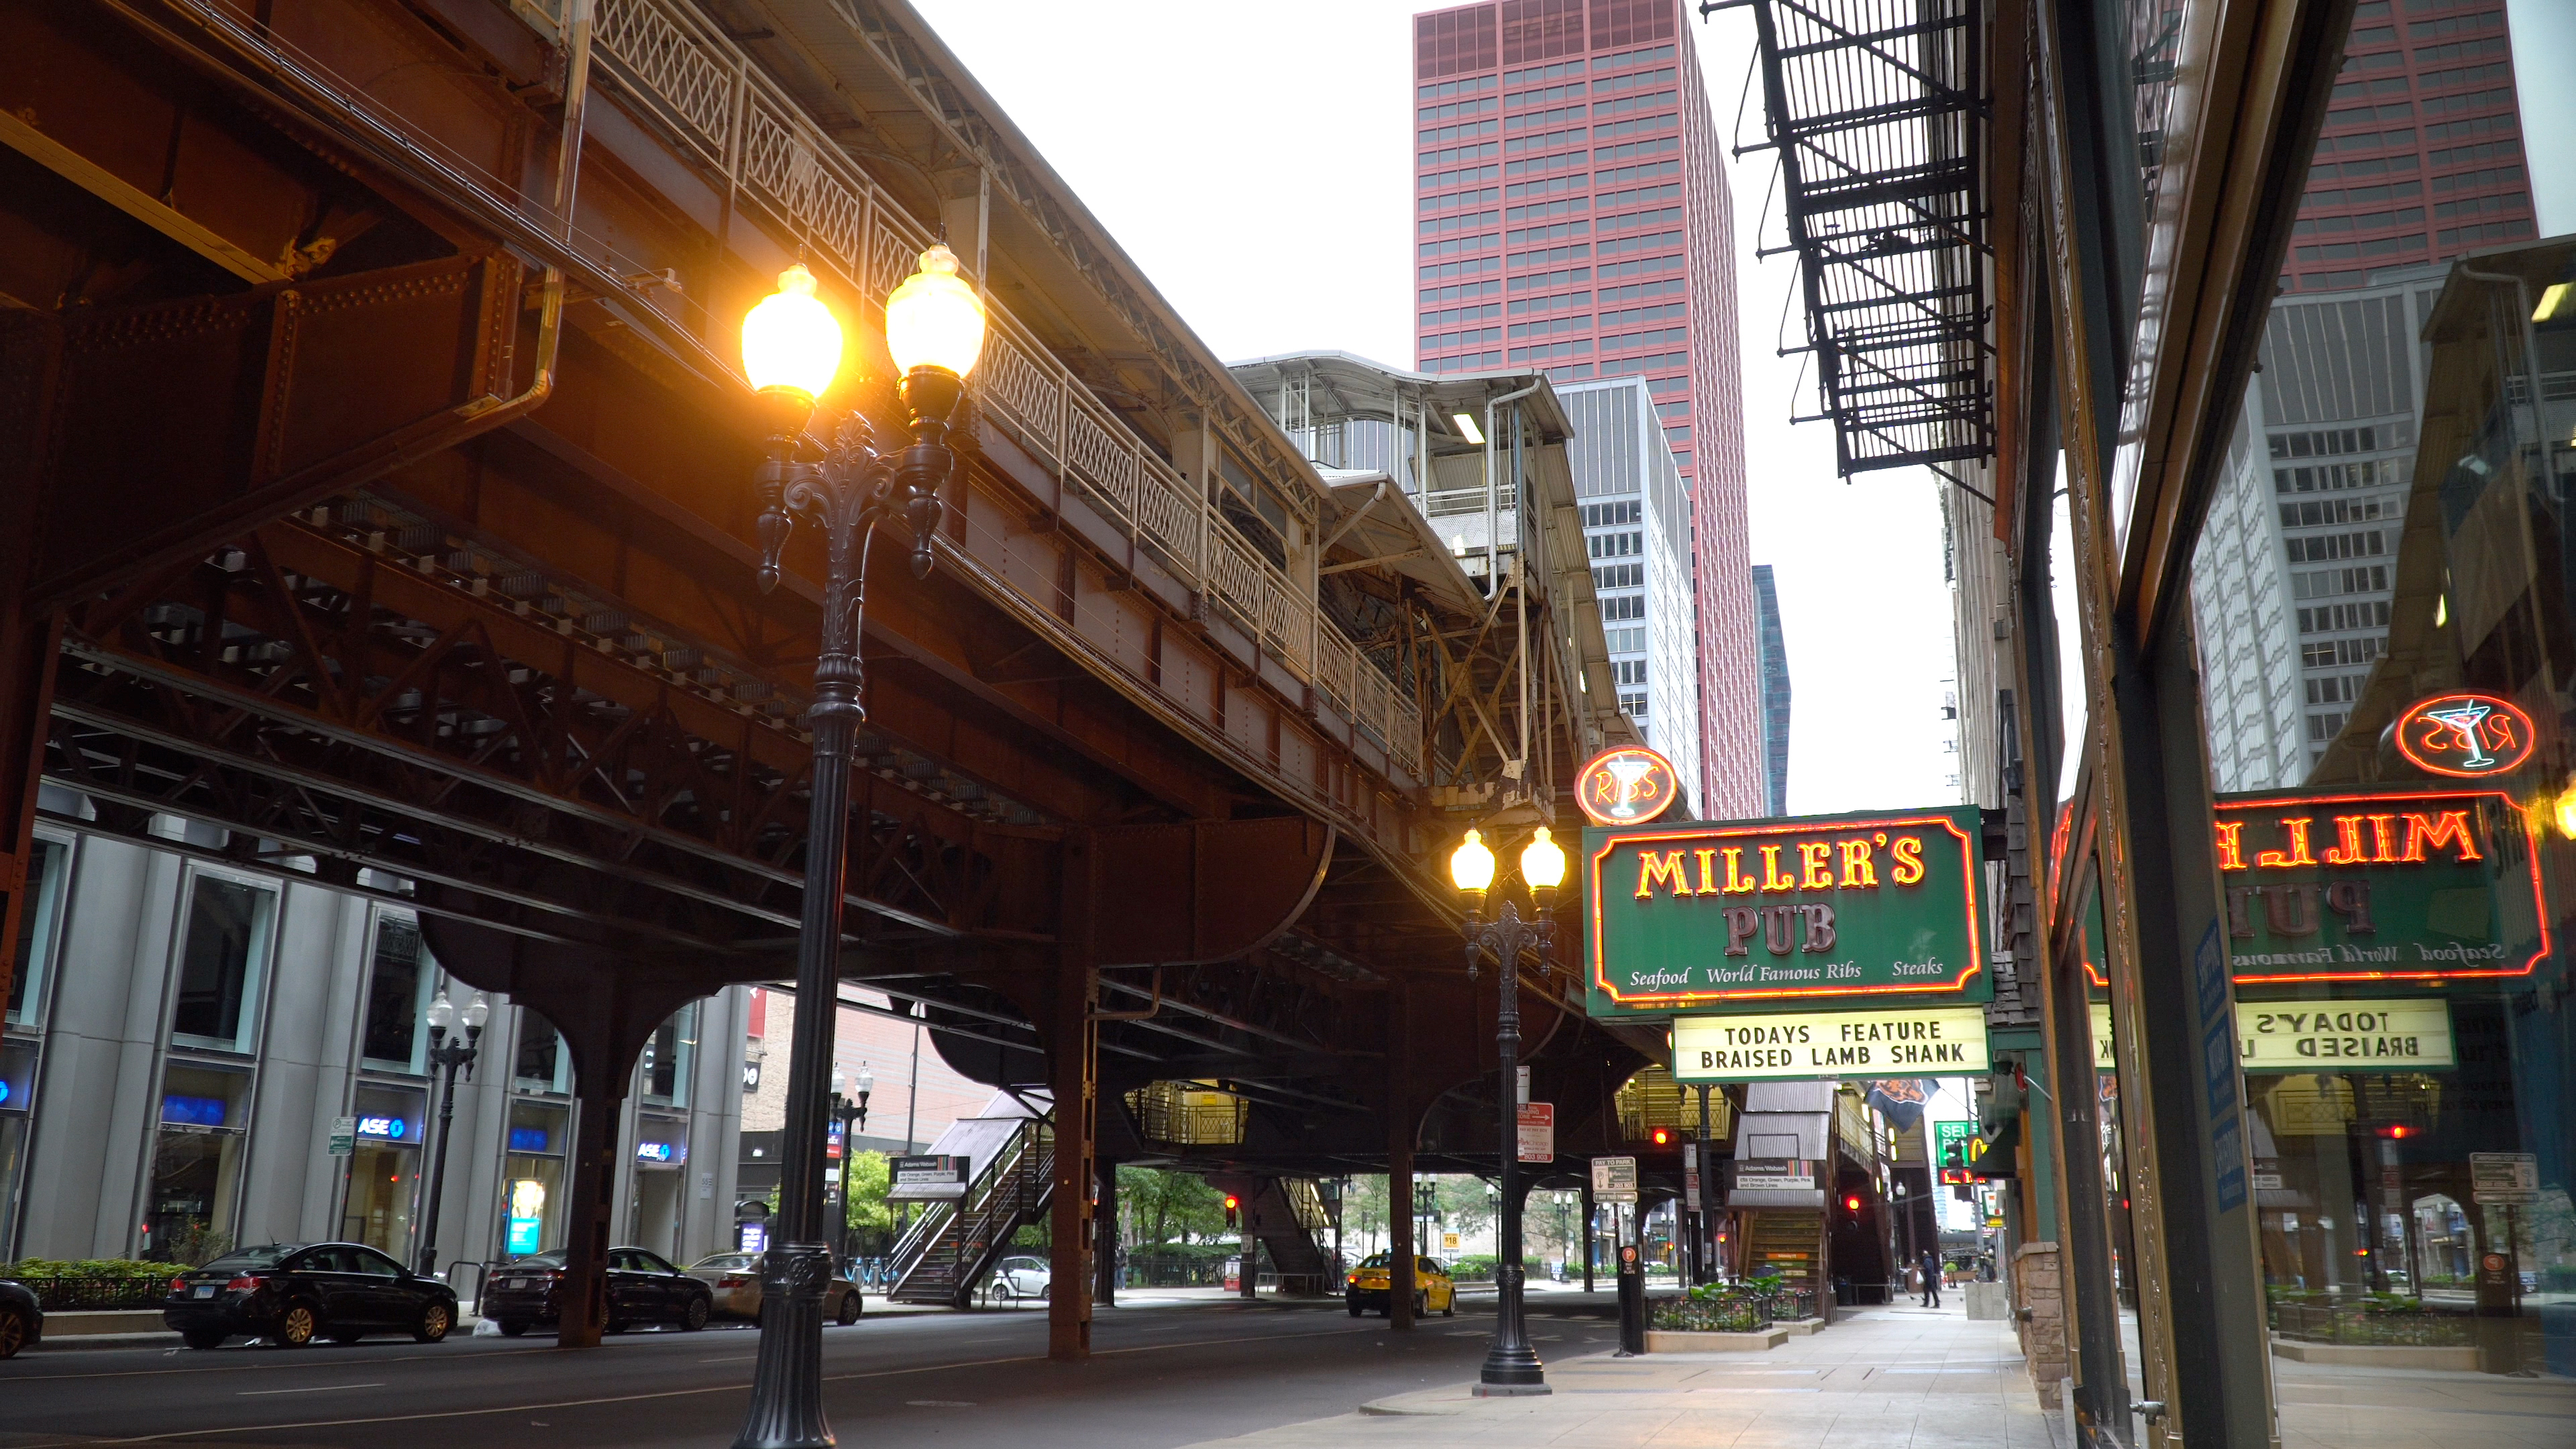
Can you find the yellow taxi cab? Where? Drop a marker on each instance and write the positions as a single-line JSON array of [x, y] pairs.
[[1432, 1288]]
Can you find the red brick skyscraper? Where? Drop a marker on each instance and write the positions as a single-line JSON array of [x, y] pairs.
[[1575, 218]]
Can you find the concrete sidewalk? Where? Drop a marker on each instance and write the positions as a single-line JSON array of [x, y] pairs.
[[1902, 1377]]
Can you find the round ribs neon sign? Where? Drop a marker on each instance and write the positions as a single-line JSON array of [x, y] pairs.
[[1626, 786], [2465, 735]]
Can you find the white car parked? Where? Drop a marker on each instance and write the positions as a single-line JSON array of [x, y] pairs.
[[1017, 1280]]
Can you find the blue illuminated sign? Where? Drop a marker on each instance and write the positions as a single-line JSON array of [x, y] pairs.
[[531, 1139], [390, 1128], [521, 1238], [193, 1111], [653, 1151], [4, 1089]]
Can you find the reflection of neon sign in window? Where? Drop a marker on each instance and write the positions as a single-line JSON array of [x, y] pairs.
[[391, 1128], [2465, 735], [531, 1139], [193, 1111], [653, 1151]]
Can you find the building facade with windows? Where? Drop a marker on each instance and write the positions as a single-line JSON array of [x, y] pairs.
[[187, 1034], [2421, 159], [1637, 528], [1573, 218], [1775, 694], [2295, 571]]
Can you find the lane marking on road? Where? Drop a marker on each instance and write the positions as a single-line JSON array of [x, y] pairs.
[[309, 1389], [268, 1364], [728, 1388]]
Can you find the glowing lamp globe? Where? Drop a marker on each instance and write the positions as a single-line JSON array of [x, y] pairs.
[[1543, 862], [1471, 865], [791, 341], [934, 319]]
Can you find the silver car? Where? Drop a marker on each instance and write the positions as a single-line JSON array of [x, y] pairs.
[[735, 1280], [1018, 1279]]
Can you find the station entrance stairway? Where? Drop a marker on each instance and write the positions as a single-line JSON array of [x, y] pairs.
[[1791, 1243], [955, 1242], [1285, 1215]]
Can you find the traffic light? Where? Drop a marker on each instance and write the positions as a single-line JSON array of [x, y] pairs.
[[1851, 1204], [1233, 1210], [1663, 1137], [1954, 1164]]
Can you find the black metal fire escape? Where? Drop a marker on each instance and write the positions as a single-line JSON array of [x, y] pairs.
[[1873, 108]]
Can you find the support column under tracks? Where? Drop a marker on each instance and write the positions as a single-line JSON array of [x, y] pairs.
[[1074, 1073]]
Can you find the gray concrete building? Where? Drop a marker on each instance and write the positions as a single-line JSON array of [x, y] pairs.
[[194, 1023]]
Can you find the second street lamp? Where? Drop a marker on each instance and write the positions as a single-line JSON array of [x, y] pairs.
[[1511, 1366], [446, 1057], [791, 351]]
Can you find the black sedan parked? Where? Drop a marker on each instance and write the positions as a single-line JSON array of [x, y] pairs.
[[642, 1289], [290, 1294], [22, 1322]]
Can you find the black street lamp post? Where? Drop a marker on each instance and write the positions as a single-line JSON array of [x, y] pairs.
[[850, 1108], [1511, 1366], [791, 347], [446, 1057]]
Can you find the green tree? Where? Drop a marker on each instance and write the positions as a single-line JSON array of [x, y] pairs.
[[1163, 1207], [863, 1197]]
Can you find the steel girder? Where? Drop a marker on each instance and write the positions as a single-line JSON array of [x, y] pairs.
[[299, 688]]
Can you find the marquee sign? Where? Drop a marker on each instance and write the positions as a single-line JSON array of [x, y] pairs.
[[1845, 1043], [1765, 914], [2466, 736], [2423, 885], [1630, 785]]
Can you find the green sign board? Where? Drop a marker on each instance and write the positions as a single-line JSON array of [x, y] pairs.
[[1761, 915], [1946, 1135], [2394, 885]]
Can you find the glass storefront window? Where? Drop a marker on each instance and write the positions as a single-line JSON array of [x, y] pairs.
[[398, 990], [544, 1063], [17, 1108], [2385, 598], [221, 959], [532, 1177], [669, 1059], [45, 875], [196, 1163], [384, 1167], [661, 1169]]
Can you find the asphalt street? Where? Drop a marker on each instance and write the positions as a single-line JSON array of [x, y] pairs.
[[1159, 1375]]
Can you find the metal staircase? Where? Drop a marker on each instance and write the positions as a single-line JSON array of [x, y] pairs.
[[1286, 1214], [954, 1244], [1789, 1242]]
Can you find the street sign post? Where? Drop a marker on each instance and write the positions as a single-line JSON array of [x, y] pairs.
[[1614, 1179], [1537, 1132], [344, 1136]]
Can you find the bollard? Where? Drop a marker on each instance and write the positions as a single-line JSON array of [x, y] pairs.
[[1632, 1302]]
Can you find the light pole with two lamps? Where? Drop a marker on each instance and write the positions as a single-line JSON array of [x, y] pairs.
[[850, 1107], [791, 351], [1511, 1366], [446, 1057]]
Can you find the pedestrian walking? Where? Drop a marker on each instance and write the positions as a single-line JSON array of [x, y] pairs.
[[1931, 1279]]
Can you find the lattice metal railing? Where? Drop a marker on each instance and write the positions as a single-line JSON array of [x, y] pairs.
[[706, 90]]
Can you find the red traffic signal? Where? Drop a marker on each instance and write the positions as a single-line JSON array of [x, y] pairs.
[[1663, 1137], [1852, 1203], [1232, 1203]]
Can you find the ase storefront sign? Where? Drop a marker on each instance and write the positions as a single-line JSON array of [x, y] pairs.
[[1756, 915], [1865, 1041], [2421, 885]]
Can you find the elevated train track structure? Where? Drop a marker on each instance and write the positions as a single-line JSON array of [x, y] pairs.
[[375, 485]]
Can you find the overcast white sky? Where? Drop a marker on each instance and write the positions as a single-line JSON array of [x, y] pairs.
[[1255, 160]]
